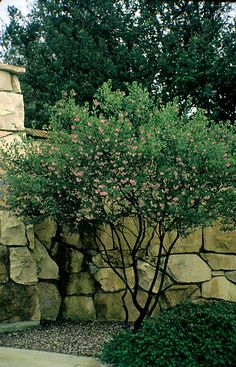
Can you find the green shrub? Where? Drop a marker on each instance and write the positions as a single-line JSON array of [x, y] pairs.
[[189, 335]]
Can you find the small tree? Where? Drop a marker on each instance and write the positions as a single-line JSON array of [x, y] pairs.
[[166, 171]]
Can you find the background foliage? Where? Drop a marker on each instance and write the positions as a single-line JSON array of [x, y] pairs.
[[174, 48]]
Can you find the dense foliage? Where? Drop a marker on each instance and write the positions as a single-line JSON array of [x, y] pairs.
[[127, 158], [189, 335], [174, 48]]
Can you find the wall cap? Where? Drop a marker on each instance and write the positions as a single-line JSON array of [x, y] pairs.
[[13, 69]]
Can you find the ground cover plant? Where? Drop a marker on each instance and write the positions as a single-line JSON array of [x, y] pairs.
[[189, 335], [127, 159]]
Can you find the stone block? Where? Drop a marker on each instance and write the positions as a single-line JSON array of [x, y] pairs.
[[109, 306], [179, 293], [220, 288], [231, 275], [13, 69], [114, 257], [15, 84], [127, 232], [5, 81], [81, 283], [11, 111], [45, 231], [146, 274], [46, 267], [220, 261], [23, 269], [49, 301], [12, 230], [78, 308], [30, 236], [18, 303], [4, 264], [69, 237], [111, 282], [188, 268], [74, 260], [216, 240]]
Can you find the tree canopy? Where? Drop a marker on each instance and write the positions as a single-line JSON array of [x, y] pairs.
[[175, 48]]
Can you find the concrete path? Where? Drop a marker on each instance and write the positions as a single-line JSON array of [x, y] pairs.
[[11, 357]]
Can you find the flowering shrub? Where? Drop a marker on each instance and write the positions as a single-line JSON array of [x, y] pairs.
[[171, 172]]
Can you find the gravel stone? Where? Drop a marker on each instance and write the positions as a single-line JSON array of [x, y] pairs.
[[84, 338]]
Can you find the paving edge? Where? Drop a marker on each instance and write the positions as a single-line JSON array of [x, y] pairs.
[[17, 326]]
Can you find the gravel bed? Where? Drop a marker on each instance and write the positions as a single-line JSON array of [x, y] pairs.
[[84, 338]]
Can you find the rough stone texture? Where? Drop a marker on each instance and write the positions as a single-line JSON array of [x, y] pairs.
[[30, 236], [218, 241], [111, 282], [189, 244], [188, 269], [78, 308], [220, 261], [18, 303], [15, 84], [46, 231], [146, 275], [49, 301], [231, 275], [109, 306], [81, 283], [46, 267], [23, 269], [70, 238], [11, 111], [5, 81], [74, 260], [219, 287], [179, 293], [114, 258], [128, 228], [9, 138], [217, 273], [4, 264], [12, 230], [13, 69]]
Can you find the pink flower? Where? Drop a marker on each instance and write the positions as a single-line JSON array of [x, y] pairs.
[[103, 193], [132, 182]]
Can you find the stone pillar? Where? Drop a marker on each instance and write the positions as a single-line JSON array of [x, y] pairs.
[[11, 102], [11, 113]]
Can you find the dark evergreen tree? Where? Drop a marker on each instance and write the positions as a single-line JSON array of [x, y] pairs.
[[175, 48]]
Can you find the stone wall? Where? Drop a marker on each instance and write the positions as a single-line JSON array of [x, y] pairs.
[[27, 274], [48, 273]]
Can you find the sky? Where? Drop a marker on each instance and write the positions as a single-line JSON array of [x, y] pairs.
[[19, 4]]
